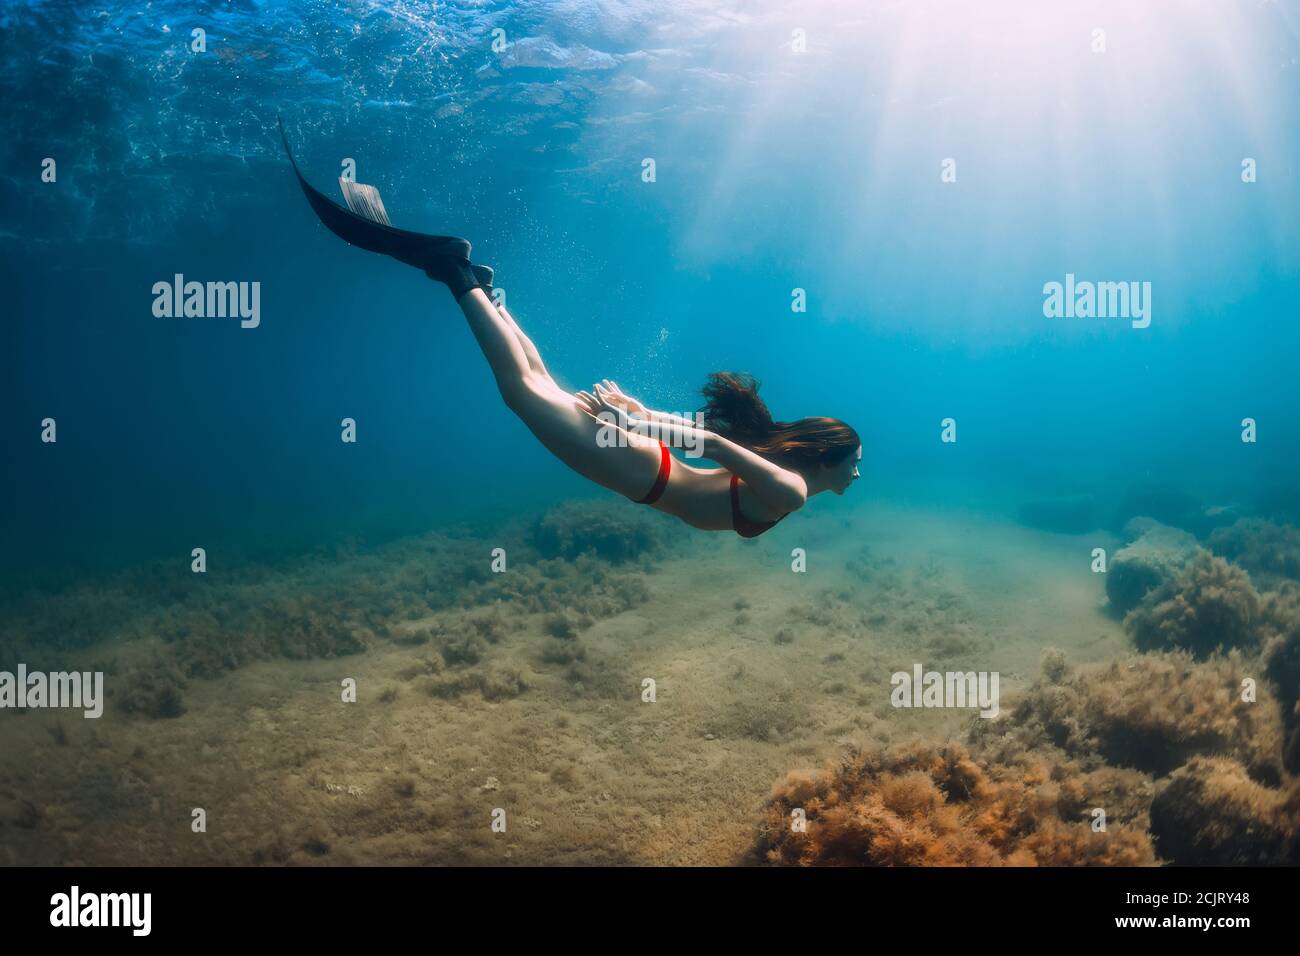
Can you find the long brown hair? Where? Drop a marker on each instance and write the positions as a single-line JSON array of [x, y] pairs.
[[734, 410]]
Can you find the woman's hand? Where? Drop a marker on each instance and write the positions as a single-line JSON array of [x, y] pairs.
[[615, 396], [589, 403], [601, 403], [609, 398]]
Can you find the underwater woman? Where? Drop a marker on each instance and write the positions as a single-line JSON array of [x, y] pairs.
[[768, 468]]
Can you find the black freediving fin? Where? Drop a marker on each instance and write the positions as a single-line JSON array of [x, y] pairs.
[[366, 224], [484, 276]]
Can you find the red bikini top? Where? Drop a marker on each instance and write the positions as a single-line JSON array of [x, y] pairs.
[[744, 527]]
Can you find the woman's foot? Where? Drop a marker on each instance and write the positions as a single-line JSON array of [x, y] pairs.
[[453, 270], [484, 276]]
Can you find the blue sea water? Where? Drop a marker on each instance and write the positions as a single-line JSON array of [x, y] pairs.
[[795, 146]]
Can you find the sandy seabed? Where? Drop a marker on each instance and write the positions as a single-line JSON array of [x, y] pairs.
[[522, 691]]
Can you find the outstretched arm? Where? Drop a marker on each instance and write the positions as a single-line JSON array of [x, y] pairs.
[[776, 487], [610, 395], [675, 430]]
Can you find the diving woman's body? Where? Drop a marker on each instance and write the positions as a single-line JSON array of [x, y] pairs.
[[633, 463], [567, 425]]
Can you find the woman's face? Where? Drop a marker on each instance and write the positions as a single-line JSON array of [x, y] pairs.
[[846, 472]]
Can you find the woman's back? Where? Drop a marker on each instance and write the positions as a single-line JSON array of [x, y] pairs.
[[701, 497]]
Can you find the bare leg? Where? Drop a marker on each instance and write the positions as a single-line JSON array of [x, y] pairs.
[[552, 414], [534, 357], [496, 337]]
